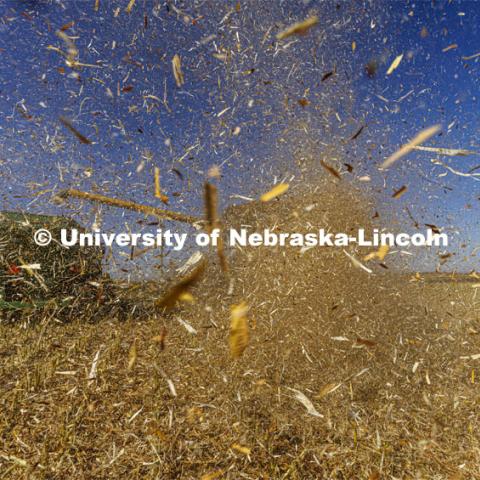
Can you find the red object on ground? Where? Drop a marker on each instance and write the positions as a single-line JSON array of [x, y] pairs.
[[13, 270]]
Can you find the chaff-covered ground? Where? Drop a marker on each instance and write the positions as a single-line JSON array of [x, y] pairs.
[[337, 365], [346, 375]]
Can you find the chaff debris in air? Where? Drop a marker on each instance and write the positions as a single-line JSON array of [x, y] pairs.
[[212, 221], [474, 176], [299, 28], [451, 152], [175, 293], [238, 329], [68, 124], [276, 191], [421, 137], [395, 64], [115, 202], [177, 70]]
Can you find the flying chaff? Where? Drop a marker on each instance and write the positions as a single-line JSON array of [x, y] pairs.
[[146, 209], [421, 137]]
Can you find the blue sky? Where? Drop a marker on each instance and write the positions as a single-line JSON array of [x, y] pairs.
[[130, 107]]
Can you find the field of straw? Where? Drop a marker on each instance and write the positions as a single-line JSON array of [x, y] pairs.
[[346, 375]]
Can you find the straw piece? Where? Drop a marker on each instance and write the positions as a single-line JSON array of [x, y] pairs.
[[115, 202]]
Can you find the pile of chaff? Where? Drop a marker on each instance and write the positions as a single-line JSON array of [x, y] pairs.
[[31, 274]]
